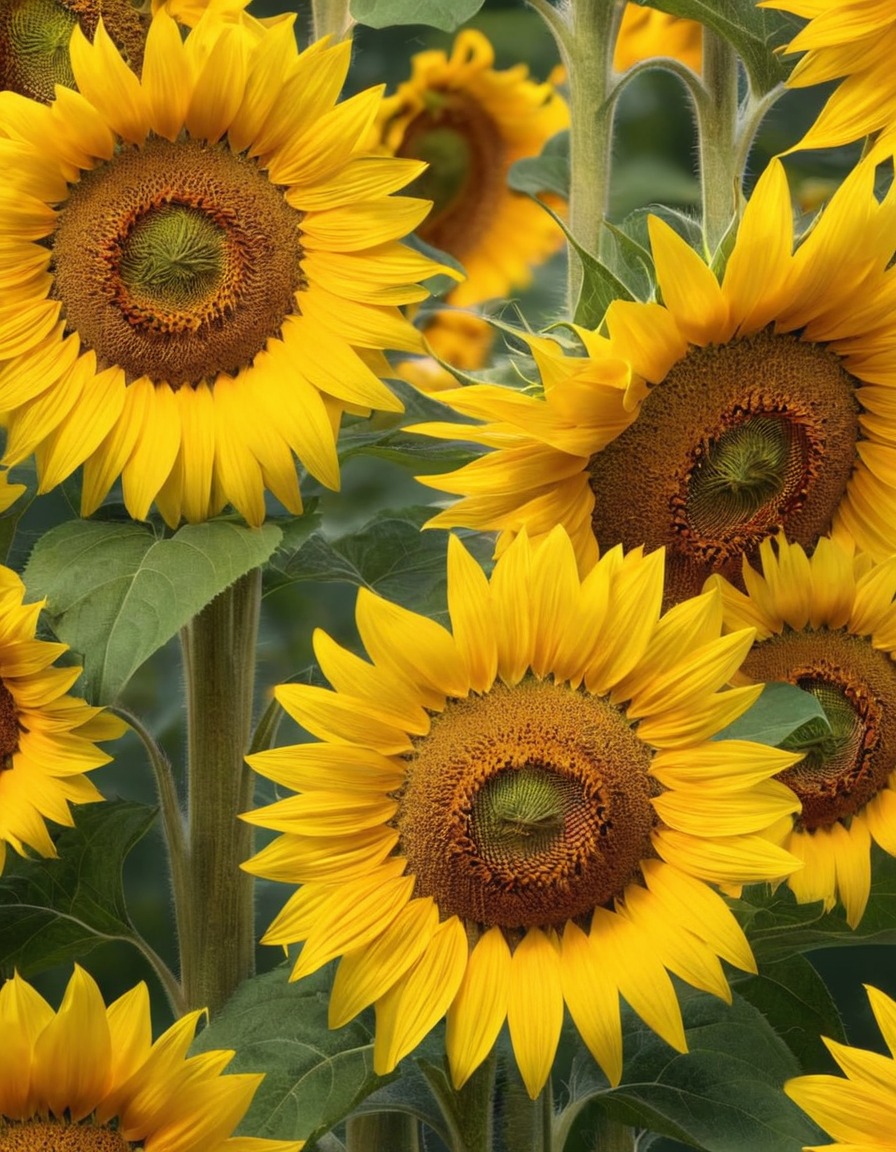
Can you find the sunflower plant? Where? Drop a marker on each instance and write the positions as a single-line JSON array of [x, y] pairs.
[[447, 575]]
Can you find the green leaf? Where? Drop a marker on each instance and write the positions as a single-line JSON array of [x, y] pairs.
[[796, 1002], [777, 926], [754, 33], [55, 911], [445, 14], [116, 594], [780, 710], [389, 555], [723, 1095], [313, 1076], [547, 172]]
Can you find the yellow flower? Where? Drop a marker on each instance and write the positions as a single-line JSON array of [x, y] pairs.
[[35, 34], [199, 269], [644, 33], [523, 812], [858, 1111], [46, 737], [89, 1078], [707, 422], [471, 122], [827, 623], [852, 41]]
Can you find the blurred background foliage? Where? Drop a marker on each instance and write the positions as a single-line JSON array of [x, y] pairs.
[[654, 163]]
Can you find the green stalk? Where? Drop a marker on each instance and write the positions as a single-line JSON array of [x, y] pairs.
[[717, 122], [382, 1132], [528, 1124], [611, 1136], [331, 18], [219, 647], [585, 32], [469, 1112]]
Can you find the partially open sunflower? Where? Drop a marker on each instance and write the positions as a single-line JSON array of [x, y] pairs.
[[200, 268], [827, 623], [88, 1078], [707, 420], [47, 738], [523, 812]]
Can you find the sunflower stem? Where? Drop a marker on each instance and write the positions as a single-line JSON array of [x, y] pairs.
[[528, 1123], [469, 1111], [218, 948], [585, 32], [176, 843], [611, 1136], [331, 18], [394, 1131], [717, 121]]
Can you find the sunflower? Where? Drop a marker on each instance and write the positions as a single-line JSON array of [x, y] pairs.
[[707, 422], [827, 623], [470, 123], [523, 812], [852, 41], [858, 1110], [645, 32], [89, 1078], [200, 267], [35, 35], [46, 737]]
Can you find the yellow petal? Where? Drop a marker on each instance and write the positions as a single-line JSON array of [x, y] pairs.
[[480, 1007], [535, 1007]]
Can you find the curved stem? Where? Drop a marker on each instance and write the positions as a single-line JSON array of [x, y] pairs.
[[176, 844], [752, 115], [218, 949]]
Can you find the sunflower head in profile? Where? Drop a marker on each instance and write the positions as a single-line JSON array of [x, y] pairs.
[[35, 35], [525, 811], [759, 403], [827, 623], [89, 1078], [201, 268], [470, 122], [47, 738], [646, 32], [858, 1111], [851, 41]]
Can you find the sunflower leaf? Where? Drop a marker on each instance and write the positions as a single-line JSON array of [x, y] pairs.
[[389, 555], [796, 1002], [779, 927], [313, 1076], [723, 1095], [448, 15], [780, 711], [547, 172], [55, 911], [116, 594], [754, 32]]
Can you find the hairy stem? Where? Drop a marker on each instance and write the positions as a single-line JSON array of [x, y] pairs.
[[218, 948], [717, 120]]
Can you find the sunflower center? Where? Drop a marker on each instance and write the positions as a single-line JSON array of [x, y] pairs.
[[177, 261], [9, 728], [737, 441], [847, 764], [527, 806], [49, 1136], [465, 152], [35, 35]]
